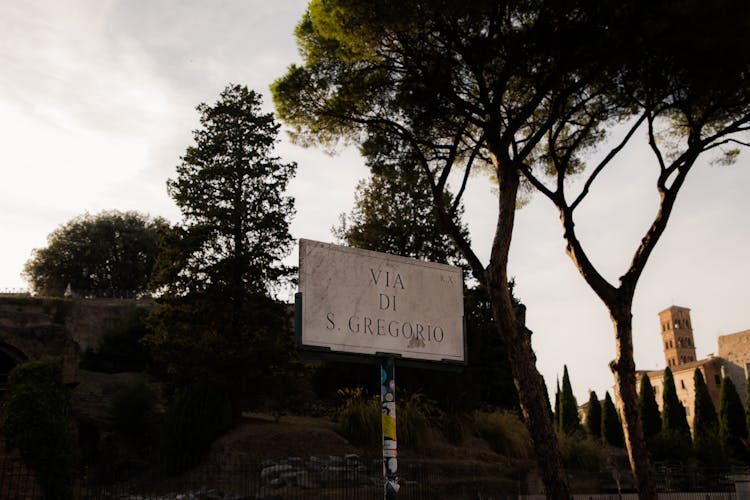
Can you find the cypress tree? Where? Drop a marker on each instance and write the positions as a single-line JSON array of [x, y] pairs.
[[732, 426], [556, 413], [747, 403], [673, 417], [549, 405], [705, 424], [594, 417], [704, 417], [570, 421], [649, 408], [611, 425]]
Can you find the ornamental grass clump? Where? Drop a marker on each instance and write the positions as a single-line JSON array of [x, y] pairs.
[[358, 417], [504, 432]]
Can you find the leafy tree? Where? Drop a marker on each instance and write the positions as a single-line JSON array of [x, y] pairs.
[[570, 421], [37, 425], [611, 425], [451, 86], [685, 93], [521, 89], [649, 409], [99, 255], [216, 321], [705, 423], [732, 427], [594, 417], [673, 416]]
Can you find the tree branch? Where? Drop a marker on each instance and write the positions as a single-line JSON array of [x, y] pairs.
[[655, 231], [612, 153], [465, 179]]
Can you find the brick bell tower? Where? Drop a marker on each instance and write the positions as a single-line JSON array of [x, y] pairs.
[[677, 336]]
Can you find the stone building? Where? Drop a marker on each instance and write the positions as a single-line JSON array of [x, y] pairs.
[[734, 350], [678, 344]]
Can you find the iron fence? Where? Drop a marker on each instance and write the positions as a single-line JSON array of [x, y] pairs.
[[337, 478]]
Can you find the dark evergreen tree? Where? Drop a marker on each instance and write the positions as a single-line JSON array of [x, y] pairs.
[[556, 413], [570, 420], [732, 426], [594, 417], [649, 408], [611, 426], [546, 396], [706, 444], [217, 322], [230, 189], [673, 416], [393, 212]]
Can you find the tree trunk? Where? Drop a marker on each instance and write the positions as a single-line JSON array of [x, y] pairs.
[[623, 369], [531, 395]]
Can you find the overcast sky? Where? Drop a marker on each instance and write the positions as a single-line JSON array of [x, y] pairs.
[[97, 104]]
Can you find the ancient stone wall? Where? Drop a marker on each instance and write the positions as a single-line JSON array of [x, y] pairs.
[[735, 349], [33, 328]]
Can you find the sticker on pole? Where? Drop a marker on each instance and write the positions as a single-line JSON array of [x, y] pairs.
[[362, 302]]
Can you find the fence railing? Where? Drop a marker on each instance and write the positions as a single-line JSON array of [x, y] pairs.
[[327, 478]]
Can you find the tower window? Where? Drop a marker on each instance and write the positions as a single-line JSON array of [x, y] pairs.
[[717, 379], [682, 384]]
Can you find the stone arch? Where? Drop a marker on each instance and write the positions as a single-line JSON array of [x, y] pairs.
[[10, 356]]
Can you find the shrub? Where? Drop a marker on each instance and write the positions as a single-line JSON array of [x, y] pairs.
[[581, 454], [504, 432], [415, 416], [456, 427], [197, 415], [37, 424], [358, 417], [120, 349], [670, 445], [132, 409]]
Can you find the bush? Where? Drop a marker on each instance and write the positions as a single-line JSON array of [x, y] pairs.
[[198, 414], [670, 445], [132, 409], [581, 454], [37, 424], [504, 432], [415, 416], [456, 427], [358, 417], [120, 349]]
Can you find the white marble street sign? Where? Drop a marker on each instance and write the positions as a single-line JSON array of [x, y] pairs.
[[357, 301]]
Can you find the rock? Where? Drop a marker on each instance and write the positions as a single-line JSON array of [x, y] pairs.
[[273, 471]]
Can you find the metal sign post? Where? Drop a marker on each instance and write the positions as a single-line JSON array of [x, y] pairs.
[[388, 422]]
